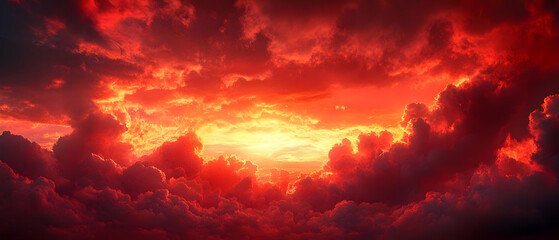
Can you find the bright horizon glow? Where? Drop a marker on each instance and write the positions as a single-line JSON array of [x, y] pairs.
[[272, 119]]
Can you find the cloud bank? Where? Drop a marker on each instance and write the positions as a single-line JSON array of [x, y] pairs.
[[481, 162]]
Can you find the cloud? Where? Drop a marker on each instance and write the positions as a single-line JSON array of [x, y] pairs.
[[544, 126], [179, 158], [27, 158], [32, 208], [381, 191], [43, 65], [479, 162], [97, 134]]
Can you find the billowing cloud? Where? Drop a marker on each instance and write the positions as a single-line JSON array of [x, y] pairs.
[[279, 119]]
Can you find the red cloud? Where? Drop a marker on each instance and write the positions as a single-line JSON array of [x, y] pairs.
[[382, 191], [179, 158], [481, 162]]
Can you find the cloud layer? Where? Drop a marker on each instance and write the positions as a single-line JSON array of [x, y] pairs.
[[469, 181], [479, 162]]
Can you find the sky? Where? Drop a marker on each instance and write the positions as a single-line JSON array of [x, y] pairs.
[[186, 119]]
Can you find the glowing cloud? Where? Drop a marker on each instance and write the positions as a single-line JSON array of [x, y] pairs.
[[274, 119]]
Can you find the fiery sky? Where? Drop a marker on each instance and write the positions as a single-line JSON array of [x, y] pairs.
[[279, 119], [270, 82]]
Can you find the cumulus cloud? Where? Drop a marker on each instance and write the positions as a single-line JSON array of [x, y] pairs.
[[480, 162], [97, 134], [384, 190], [179, 158], [26, 157]]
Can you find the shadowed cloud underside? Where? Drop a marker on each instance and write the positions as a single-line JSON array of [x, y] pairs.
[[279, 119]]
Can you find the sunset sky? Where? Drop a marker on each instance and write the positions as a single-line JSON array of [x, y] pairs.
[[249, 119], [260, 80]]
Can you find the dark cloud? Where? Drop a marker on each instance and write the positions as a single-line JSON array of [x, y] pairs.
[[25, 157], [40, 46], [32, 208], [140, 178], [545, 126], [179, 158], [461, 170], [424, 187], [97, 134]]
